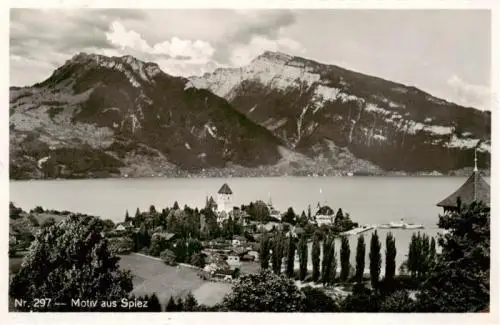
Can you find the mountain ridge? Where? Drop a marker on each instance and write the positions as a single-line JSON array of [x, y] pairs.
[[100, 116]]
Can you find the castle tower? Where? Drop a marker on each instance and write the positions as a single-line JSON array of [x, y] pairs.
[[224, 198]]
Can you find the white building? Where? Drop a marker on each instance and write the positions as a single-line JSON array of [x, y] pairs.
[[324, 215], [224, 198]]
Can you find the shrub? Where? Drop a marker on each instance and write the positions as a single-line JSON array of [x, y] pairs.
[[168, 257]]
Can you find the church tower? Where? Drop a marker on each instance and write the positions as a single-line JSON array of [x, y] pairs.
[[224, 198]]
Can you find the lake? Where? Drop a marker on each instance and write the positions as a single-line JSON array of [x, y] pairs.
[[369, 200]]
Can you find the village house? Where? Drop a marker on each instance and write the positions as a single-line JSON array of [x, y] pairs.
[[324, 215], [238, 241], [475, 189]]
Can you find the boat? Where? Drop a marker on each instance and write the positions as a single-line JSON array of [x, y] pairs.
[[396, 225], [404, 225]]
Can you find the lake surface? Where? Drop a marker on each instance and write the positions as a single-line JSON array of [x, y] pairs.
[[369, 200]]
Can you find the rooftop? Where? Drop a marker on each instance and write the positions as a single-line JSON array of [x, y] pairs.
[[225, 189], [474, 189]]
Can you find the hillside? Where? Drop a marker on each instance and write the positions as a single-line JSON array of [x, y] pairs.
[[317, 109], [99, 116]]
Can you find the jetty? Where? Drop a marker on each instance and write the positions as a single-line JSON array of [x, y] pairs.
[[357, 231]]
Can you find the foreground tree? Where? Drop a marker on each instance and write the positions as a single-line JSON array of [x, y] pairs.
[[264, 292], [153, 304], [190, 303], [316, 301], [345, 253], [315, 255], [71, 259], [459, 280], [360, 258], [302, 257], [375, 260]]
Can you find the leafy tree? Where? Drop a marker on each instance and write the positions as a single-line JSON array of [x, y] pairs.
[[181, 250], [375, 260], [152, 209], [390, 257], [168, 257], [120, 245], [459, 280], [265, 254], [190, 303], [71, 259], [194, 247], [398, 302], [302, 249], [264, 292], [14, 212], [362, 299], [316, 301], [171, 304], [198, 259], [33, 221], [109, 225], [158, 244], [360, 258], [48, 222], [345, 253], [316, 252], [142, 238], [289, 216], [153, 304]]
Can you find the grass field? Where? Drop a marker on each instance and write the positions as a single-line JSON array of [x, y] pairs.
[[153, 276]]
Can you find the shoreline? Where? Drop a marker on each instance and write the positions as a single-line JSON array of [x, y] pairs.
[[237, 177]]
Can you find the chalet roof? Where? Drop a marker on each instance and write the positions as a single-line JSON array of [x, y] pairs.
[[225, 189], [475, 188], [211, 200]]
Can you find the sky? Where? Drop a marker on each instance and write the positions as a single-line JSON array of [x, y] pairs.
[[444, 52]]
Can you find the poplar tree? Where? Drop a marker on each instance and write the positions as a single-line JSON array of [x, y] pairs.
[[345, 253], [375, 260], [277, 253], [360, 258], [265, 253], [326, 263], [302, 257], [316, 252], [290, 260], [332, 270], [390, 257]]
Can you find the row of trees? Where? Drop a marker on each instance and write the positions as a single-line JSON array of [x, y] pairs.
[[275, 248]]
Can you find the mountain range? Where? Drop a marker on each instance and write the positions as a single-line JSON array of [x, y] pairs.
[[99, 116]]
